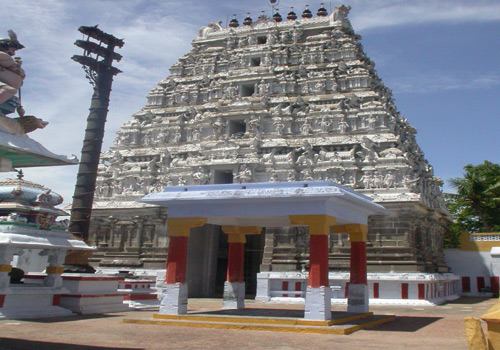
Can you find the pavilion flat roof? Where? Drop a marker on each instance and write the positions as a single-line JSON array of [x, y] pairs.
[[266, 204]]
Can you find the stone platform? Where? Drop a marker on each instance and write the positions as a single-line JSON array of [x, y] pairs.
[[274, 320]]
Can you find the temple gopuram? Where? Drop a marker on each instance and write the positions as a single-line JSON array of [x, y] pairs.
[[274, 99]]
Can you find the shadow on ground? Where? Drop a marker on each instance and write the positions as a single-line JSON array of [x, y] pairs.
[[21, 344], [469, 300], [405, 324], [66, 318]]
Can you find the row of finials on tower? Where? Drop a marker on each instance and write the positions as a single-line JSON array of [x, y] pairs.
[[291, 16]]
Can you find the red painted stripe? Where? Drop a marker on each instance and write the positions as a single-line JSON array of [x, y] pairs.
[[2, 299], [35, 277], [318, 261], [421, 291], [358, 263], [375, 290], [284, 286], [176, 260], [298, 288], [235, 261], [494, 284], [404, 290], [466, 284], [140, 297], [56, 299], [91, 295], [480, 283], [87, 278]]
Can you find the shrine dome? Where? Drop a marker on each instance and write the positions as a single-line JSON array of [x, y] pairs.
[[27, 193]]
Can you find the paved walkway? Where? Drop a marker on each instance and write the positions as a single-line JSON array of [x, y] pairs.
[[439, 327]]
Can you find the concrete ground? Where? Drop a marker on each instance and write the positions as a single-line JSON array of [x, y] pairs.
[[439, 327]]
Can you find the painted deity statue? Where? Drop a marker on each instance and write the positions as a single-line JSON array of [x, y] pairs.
[[11, 80], [11, 73]]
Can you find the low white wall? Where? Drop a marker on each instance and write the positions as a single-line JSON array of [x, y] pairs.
[[474, 266]]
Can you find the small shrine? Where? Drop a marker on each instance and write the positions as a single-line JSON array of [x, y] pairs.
[[29, 237], [32, 241], [244, 209]]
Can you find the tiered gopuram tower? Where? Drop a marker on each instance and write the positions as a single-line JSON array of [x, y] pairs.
[[270, 100]]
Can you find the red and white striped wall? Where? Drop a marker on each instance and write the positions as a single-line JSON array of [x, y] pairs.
[[384, 288]]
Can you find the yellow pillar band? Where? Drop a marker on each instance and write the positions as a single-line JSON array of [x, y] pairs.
[[357, 232], [54, 270], [318, 224], [242, 230], [235, 238], [5, 268], [180, 227]]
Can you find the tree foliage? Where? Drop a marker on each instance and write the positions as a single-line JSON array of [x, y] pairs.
[[476, 205]]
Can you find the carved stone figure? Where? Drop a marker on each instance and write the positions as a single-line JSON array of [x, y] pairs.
[[279, 126], [306, 128], [343, 125], [244, 175], [201, 177]]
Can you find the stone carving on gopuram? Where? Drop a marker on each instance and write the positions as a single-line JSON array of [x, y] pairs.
[[273, 101]]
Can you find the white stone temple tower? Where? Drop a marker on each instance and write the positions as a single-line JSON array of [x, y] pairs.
[[270, 101]]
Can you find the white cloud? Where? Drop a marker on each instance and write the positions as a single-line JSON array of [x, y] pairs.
[[431, 82], [381, 13]]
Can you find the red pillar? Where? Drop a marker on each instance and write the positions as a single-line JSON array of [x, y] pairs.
[[358, 263], [318, 261], [177, 260], [235, 262]]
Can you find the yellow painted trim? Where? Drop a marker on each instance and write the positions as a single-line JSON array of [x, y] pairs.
[[477, 246], [320, 329], [235, 238], [180, 227], [5, 268], [254, 320], [242, 230], [357, 232], [318, 224], [54, 270]]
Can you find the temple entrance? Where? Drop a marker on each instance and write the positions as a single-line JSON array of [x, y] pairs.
[[207, 262], [254, 249]]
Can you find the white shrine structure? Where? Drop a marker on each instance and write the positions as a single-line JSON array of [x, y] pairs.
[[243, 210], [276, 100]]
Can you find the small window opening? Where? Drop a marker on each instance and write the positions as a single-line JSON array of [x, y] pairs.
[[261, 40], [254, 61], [247, 90], [223, 177], [237, 128]]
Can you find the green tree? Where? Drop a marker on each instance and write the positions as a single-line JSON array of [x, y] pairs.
[[476, 205]]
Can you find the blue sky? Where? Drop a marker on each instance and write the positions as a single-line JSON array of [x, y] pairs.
[[440, 58]]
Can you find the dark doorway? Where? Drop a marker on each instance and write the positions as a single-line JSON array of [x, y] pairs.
[[223, 177], [254, 249]]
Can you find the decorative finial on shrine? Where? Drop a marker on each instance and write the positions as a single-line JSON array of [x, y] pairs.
[[277, 17], [307, 13], [292, 16], [322, 12], [234, 22], [248, 20]]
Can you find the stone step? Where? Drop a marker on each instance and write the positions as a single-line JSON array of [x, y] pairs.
[[347, 326], [266, 316]]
